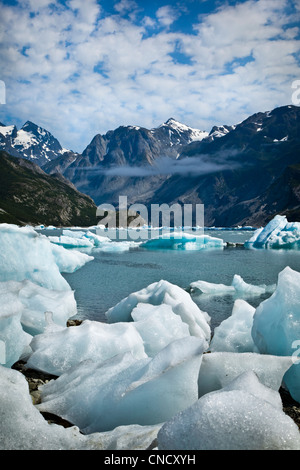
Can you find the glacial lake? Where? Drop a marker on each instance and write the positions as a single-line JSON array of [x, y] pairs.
[[111, 276]]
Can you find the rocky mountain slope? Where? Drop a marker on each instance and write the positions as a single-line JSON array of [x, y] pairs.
[[243, 174], [29, 195]]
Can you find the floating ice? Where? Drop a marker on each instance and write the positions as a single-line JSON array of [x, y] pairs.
[[22, 426], [183, 241], [237, 287], [58, 351], [219, 368], [122, 391], [234, 333], [163, 292], [25, 254], [277, 234], [89, 241], [245, 415], [276, 326]]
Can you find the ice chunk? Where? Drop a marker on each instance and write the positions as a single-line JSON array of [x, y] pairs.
[[234, 333], [68, 261], [277, 234], [238, 287], [183, 241], [158, 326], [71, 242], [163, 292], [14, 341], [211, 288], [22, 427], [245, 415], [35, 300], [244, 288], [25, 254], [123, 391], [58, 351], [89, 241], [219, 368], [276, 325]]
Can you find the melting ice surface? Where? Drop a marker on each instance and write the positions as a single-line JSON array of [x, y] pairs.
[[115, 377], [277, 234]]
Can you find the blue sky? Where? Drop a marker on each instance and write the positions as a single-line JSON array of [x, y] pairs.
[[79, 68]]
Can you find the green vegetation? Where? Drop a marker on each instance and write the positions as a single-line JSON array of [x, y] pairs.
[[30, 196]]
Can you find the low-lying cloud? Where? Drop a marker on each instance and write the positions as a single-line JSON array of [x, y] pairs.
[[166, 166]]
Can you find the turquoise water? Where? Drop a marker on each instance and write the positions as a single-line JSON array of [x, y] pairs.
[[110, 277]]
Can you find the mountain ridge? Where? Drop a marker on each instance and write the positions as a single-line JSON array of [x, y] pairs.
[[232, 170]]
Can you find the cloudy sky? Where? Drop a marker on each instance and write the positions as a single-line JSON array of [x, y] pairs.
[[82, 67]]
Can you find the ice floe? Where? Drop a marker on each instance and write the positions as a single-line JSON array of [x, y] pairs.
[[183, 241], [237, 287], [164, 292], [277, 234]]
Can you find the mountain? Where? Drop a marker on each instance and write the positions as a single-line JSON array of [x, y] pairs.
[[263, 152], [29, 195], [30, 142], [99, 171], [243, 174]]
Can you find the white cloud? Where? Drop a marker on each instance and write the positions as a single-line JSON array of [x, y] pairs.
[[166, 15], [77, 72]]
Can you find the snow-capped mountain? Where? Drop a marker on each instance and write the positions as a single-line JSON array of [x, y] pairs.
[[243, 174], [177, 133], [31, 142]]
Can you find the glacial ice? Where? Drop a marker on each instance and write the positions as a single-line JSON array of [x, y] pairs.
[[244, 415], [123, 390], [238, 287], [25, 254], [158, 326], [276, 326], [59, 349], [56, 352], [234, 333], [219, 368], [88, 241], [277, 234], [22, 426], [161, 293], [183, 241]]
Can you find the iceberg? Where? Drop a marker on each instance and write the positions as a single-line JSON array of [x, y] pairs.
[[22, 426], [161, 293], [55, 352], [244, 415], [123, 391], [234, 333], [89, 241], [34, 301], [183, 241], [25, 254], [158, 326], [59, 349], [276, 326], [219, 368], [277, 234], [238, 287]]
